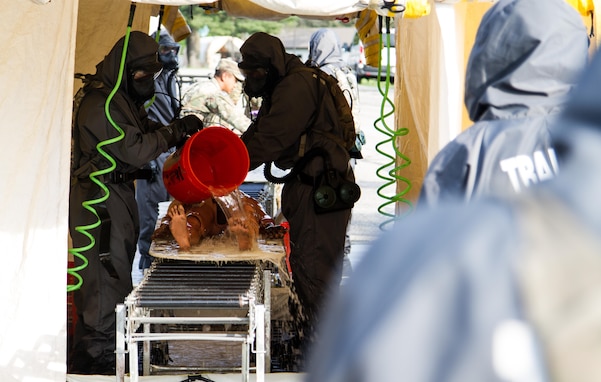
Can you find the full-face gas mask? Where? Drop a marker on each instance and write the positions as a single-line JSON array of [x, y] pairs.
[[259, 82], [141, 84], [141, 75], [168, 56]]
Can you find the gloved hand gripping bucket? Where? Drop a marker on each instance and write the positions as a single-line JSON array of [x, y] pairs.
[[212, 162]]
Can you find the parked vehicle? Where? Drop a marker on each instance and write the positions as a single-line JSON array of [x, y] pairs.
[[356, 59]]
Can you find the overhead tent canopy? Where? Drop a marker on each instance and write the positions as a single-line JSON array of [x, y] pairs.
[[46, 42], [277, 9], [111, 16]]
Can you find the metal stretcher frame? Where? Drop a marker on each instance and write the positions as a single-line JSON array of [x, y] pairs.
[[198, 285]]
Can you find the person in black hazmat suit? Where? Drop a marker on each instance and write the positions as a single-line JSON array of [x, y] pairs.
[[107, 278], [288, 125], [504, 288], [164, 109], [512, 98]]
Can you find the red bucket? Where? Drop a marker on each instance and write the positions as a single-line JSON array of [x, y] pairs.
[[212, 162]]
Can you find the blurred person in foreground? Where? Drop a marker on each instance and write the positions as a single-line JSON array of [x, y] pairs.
[[296, 124], [325, 54], [499, 289], [519, 75], [216, 101], [163, 109]]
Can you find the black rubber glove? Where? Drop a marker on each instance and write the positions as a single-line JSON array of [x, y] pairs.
[[190, 124], [178, 131]]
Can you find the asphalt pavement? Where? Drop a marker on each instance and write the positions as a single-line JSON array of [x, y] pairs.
[[367, 223]]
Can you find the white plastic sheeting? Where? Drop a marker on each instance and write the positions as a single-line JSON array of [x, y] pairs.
[[313, 7], [300, 7], [283, 6], [265, 9], [35, 105]]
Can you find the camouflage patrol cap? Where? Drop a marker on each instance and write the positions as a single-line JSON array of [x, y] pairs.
[[230, 66]]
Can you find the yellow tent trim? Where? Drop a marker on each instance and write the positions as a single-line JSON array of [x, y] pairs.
[[417, 8], [584, 7]]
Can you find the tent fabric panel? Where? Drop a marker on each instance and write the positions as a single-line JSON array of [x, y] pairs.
[[274, 10], [312, 7], [35, 105], [432, 53], [289, 7], [99, 25], [176, 2], [246, 9], [416, 99]]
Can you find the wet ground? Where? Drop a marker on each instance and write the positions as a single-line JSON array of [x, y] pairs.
[[204, 355]]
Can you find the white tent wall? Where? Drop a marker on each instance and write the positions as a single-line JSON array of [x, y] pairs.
[[36, 101], [35, 105], [448, 119]]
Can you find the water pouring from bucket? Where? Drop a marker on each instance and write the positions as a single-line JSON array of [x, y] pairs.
[[212, 163]]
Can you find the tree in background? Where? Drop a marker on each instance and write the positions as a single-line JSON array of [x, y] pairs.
[[221, 24]]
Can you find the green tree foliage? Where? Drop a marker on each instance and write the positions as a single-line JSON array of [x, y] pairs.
[[210, 23], [221, 24]]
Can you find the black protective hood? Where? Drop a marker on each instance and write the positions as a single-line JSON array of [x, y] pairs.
[[513, 70], [141, 54], [264, 50]]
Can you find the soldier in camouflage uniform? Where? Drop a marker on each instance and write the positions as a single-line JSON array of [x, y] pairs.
[[214, 101]]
